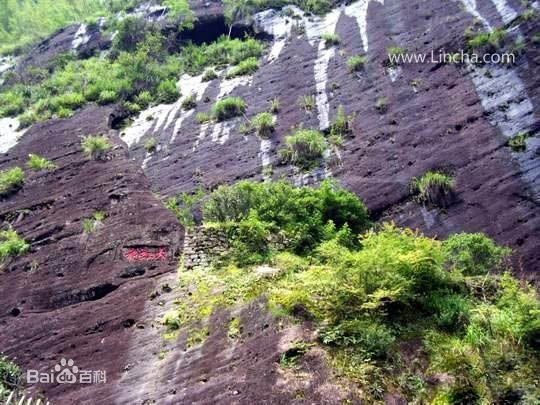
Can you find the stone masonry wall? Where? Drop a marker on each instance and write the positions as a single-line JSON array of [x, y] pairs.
[[201, 244]]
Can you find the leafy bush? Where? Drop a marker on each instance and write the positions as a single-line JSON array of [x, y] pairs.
[[182, 206], [227, 108], [432, 187], [330, 39], [11, 244], [11, 180], [107, 97], [356, 63], [10, 377], [37, 163], [95, 147], [302, 214], [168, 92], [246, 67], [131, 31], [263, 124], [304, 147], [474, 253]]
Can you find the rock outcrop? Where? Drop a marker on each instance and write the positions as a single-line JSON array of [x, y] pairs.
[[96, 297]]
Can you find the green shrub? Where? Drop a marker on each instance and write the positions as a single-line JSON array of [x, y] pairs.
[[302, 214], [11, 180], [432, 186], [11, 244], [71, 101], [228, 108], [11, 103], [474, 253], [131, 31], [304, 147], [209, 74], [486, 41], [263, 124], [168, 92], [95, 147], [330, 39], [144, 99], [396, 51], [107, 97], [374, 339], [183, 205], [519, 142], [307, 103], [189, 103], [246, 67], [222, 52], [10, 377], [356, 63], [37, 163]]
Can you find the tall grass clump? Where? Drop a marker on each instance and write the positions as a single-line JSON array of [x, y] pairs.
[[304, 147], [228, 108], [432, 187], [263, 124], [95, 146]]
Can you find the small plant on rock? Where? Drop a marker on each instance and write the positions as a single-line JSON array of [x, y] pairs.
[[11, 244], [202, 117], [341, 127], [274, 105], [189, 103], [228, 108], [307, 103], [37, 163], [95, 146], [11, 180], [330, 39], [519, 142], [209, 75], [263, 124], [381, 104], [432, 187], [92, 223], [150, 145], [356, 63]]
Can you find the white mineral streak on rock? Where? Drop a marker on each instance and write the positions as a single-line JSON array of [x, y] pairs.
[[221, 131], [358, 10], [504, 98], [6, 63], [314, 30], [266, 146], [507, 13], [144, 122], [274, 23], [429, 218], [9, 136], [80, 38], [393, 72], [189, 86], [470, 6]]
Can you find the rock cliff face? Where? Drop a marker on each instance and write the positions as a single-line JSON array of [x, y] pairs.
[[96, 297]]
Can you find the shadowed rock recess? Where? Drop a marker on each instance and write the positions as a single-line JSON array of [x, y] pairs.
[[105, 253]]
